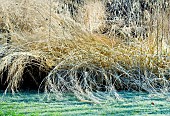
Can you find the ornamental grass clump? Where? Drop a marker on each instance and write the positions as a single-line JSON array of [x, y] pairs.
[[61, 55]]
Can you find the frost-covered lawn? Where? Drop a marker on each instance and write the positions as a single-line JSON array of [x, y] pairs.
[[134, 103]]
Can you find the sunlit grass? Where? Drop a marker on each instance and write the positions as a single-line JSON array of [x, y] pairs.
[[77, 59]]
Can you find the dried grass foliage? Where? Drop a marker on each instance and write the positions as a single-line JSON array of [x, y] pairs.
[[81, 61], [13, 68]]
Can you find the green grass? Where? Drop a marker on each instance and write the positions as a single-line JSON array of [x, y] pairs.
[[30, 104]]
